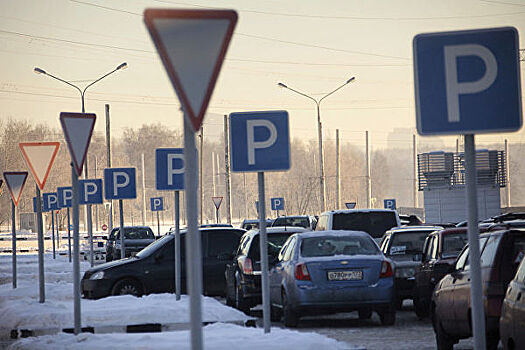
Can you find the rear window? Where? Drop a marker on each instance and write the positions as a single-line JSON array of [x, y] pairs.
[[333, 245], [275, 243], [453, 244], [295, 222], [374, 223], [407, 243], [137, 233]]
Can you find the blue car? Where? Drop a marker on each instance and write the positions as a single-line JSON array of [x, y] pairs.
[[325, 272]]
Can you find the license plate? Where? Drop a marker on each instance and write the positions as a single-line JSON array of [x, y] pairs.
[[345, 275]]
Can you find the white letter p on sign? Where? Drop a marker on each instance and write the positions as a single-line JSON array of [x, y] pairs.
[[456, 88], [116, 184], [252, 144]]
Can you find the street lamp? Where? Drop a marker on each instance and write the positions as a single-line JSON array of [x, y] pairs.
[[121, 66], [320, 135]]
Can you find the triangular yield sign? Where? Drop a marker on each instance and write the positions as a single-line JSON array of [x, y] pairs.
[[39, 157], [217, 201], [192, 45], [78, 128], [15, 181]]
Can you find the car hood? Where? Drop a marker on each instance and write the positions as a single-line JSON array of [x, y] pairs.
[[112, 264], [136, 242]]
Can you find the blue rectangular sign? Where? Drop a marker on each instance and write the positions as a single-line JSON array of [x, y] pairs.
[[120, 183], [390, 204], [169, 169], [277, 203], [50, 201], [259, 141], [467, 82], [65, 197], [157, 203], [90, 191]]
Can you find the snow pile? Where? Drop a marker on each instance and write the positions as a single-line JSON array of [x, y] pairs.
[[216, 336]]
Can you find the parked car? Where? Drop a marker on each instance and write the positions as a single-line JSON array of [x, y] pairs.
[[324, 272], [214, 225], [440, 250], [507, 225], [410, 220], [501, 252], [305, 221], [512, 320], [249, 224], [372, 221], [404, 246], [152, 269], [135, 239], [243, 274]]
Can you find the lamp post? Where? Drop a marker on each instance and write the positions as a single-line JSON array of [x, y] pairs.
[[322, 184], [82, 94]]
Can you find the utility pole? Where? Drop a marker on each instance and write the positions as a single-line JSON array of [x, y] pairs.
[[108, 159], [507, 170], [414, 173], [227, 177], [143, 192], [337, 171], [368, 177], [213, 173], [96, 205], [200, 172]]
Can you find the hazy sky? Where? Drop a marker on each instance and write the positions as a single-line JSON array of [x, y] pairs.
[[312, 46]]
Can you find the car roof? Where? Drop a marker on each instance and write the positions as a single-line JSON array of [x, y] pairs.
[[280, 229], [292, 216], [335, 233], [348, 211], [400, 229]]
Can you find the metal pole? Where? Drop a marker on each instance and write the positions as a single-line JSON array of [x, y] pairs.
[[213, 173], [193, 238], [158, 223], [321, 161], [264, 254], [217, 215], [68, 235], [476, 294], [227, 177], [368, 182], [41, 278], [53, 232], [13, 240], [507, 170], [57, 227], [177, 247], [143, 192], [96, 206], [200, 174], [414, 172], [122, 246], [245, 196], [76, 251], [108, 159], [337, 170]]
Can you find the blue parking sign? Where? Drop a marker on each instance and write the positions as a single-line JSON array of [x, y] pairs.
[[277, 203], [50, 201], [390, 204], [90, 191], [65, 197], [467, 82], [120, 183], [169, 169], [259, 141], [157, 203]]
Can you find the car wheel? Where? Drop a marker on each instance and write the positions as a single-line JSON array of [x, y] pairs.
[[275, 313], [492, 341], [388, 316], [290, 317], [240, 301], [127, 286], [443, 340], [364, 314], [421, 308], [398, 303]]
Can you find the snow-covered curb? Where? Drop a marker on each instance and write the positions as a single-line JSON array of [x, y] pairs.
[[217, 336]]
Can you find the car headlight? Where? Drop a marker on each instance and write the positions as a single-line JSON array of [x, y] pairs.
[[97, 275], [406, 272]]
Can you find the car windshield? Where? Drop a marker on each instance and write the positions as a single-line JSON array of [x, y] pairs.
[[153, 247], [137, 233], [338, 245], [374, 223], [291, 221], [453, 243], [407, 243]]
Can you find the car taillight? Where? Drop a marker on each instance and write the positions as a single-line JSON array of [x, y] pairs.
[[386, 270], [246, 265], [301, 272]]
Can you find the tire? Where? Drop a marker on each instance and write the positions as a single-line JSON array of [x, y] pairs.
[[275, 314], [398, 303], [240, 301], [388, 317], [290, 317], [127, 286], [365, 314], [443, 340], [492, 341], [421, 308]]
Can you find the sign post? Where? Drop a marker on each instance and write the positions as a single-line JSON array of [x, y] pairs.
[[77, 128], [169, 176], [15, 182], [468, 82], [192, 45], [65, 195], [277, 204], [39, 157], [217, 202], [260, 141]]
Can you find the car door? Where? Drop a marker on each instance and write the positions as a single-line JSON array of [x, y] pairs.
[[159, 269], [275, 275], [219, 247], [423, 271], [518, 309]]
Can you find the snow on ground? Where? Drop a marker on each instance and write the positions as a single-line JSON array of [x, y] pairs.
[[216, 336]]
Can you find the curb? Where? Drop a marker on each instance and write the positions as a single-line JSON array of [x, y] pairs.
[[133, 328]]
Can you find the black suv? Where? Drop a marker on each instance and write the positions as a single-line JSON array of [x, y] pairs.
[[404, 245], [243, 274], [136, 238], [152, 270]]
